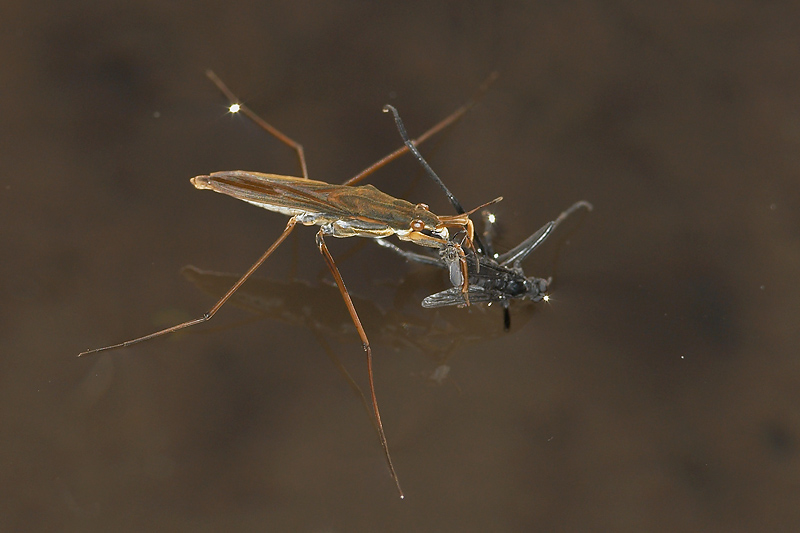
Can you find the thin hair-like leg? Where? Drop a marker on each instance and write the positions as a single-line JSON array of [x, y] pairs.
[[323, 249], [269, 128], [522, 250], [207, 316], [297, 147], [272, 130], [342, 370]]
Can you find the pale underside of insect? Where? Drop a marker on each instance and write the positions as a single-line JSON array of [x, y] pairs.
[[340, 211], [316, 305]]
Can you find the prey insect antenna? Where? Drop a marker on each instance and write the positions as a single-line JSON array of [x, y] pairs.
[[249, 113]]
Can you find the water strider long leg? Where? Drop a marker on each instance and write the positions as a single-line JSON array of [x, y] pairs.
[[365, 341], [272, 130], [207, 316], [326, 346]]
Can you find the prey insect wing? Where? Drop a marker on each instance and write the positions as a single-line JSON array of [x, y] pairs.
[[492, 283], [454, 297]]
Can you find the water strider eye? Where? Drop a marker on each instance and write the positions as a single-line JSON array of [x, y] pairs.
[[417, 225]]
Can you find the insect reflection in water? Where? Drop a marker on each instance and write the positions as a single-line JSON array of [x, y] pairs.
[[397, 327]]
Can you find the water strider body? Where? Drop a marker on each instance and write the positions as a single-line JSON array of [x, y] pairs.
[[340, 210]]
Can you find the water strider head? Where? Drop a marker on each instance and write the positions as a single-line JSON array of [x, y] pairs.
[[424, 221]]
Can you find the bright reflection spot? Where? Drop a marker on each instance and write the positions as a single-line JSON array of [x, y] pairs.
[[496, 255], [234, 108], [546, 297], [491, 218]]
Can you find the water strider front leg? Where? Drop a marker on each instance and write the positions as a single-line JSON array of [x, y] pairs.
[[348, 302]]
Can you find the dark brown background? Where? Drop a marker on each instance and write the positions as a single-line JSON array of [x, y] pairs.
[[659, 391]]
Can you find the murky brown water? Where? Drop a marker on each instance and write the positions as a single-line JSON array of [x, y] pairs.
[[658, 391]]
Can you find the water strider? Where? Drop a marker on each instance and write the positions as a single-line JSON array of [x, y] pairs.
[[340, 211]]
